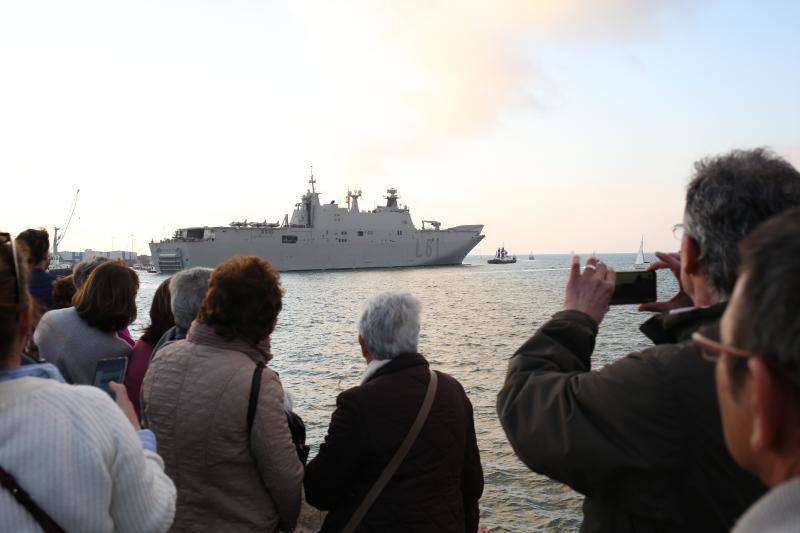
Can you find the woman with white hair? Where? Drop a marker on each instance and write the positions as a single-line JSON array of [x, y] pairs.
[[401, 453]]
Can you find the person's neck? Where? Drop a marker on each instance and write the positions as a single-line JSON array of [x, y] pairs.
[[777, 470], [12, 360], [703, 293]]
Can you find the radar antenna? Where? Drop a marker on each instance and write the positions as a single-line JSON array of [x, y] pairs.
[[312, 181]]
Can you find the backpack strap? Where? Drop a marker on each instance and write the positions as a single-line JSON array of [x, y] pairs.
[[40, 515], [397, 459], [255, 389]]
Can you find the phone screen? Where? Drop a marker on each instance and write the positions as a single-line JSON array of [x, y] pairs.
[[634, 287], [110, 370]]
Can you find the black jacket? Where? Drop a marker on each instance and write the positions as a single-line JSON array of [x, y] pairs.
[[640, 437], [438, 485]]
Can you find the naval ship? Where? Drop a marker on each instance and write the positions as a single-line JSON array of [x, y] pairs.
[[323, 237]]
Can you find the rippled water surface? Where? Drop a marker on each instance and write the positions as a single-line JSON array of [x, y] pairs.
[[474, 317]]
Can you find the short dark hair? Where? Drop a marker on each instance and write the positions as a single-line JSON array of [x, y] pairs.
[[38, 243], [160, 315], [107, 300], [63, 291], [243, 300], [768, 319], [728, 197]]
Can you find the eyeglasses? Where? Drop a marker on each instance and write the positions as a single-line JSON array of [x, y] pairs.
[[6, 238], [678, 230], [711, 350]]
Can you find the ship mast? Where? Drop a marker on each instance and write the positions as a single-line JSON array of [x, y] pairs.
[[312, 181]]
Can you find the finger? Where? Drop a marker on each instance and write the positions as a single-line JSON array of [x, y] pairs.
[[656, 307], [575, 268], [602, 270], [611, 276], [592, 261], [657, 265], [671, 259]]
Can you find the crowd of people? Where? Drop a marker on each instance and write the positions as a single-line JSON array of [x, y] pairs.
[[700, 432]]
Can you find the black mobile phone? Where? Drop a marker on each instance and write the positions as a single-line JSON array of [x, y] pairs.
[[634, 287], [112, 369]]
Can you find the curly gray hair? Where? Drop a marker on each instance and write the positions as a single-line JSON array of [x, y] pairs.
[[389, 325], [187, 291], [728, 197]]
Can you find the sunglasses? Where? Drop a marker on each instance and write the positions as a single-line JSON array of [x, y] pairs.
[[5, 238]]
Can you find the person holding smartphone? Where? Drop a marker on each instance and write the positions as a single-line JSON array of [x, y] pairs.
[[71, 459], [641, 437]]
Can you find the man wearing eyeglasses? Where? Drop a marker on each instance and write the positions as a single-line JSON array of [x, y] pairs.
[[641, 438], [758, 371]]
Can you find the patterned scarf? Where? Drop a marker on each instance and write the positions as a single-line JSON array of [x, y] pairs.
[[200, 333]]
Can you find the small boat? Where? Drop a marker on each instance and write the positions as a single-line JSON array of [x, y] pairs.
[[501, 257], [530, 257], [640, 260]]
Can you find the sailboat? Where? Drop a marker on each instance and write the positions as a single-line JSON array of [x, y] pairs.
[[640, 260]]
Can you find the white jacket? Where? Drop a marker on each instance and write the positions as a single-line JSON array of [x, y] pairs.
[[74, 451]]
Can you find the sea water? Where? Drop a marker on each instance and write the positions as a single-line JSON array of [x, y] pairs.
[[474, 317]]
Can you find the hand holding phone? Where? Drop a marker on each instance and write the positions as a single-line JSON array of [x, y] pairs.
[[107, 370]]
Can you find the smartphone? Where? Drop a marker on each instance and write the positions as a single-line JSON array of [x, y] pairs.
[[112, 369], [634, 287]]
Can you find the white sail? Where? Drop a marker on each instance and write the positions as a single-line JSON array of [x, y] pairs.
[[640, 256]]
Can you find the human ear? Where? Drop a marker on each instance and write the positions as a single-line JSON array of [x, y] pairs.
[[691, 255], [766, 406]]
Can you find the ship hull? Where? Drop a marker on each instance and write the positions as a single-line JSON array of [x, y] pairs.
[[297, 249]]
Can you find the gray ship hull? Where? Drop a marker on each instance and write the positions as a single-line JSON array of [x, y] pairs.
[[421, 248], [323, 237]]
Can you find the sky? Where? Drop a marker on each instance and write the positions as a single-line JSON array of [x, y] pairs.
[[558, 124]]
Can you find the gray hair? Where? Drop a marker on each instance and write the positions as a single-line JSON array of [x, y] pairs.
[[187, 291], [728, 197], [81, 271], [389, 325]]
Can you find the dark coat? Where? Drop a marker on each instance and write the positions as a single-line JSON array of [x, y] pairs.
[[640, 437], [438, 485]]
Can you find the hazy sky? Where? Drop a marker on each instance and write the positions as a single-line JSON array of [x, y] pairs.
[[557, 125]]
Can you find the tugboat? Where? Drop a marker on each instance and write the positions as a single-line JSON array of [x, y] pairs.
[[501, 257], [531, 257]]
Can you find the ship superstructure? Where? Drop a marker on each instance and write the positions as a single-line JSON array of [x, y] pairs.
[[322, 237]]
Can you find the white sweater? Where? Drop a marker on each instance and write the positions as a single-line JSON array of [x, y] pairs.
[[74, 451]]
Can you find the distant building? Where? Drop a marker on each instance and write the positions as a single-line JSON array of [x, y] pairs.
[[74, 257]]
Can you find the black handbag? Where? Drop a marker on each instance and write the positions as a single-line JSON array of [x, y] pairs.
[[296, 425]]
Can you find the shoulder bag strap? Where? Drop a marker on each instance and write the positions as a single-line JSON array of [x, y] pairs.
[[40, 515], [397, 459], [255, 389]]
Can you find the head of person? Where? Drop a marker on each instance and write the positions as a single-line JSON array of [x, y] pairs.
[[758, 370], [389, 326], [161, 318], [243, 300], [107, 299], [187, 290], [726, 199], [82, 270], [37, 242], [63, 291], [16, 309]]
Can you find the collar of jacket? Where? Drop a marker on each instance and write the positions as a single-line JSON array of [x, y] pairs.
[[679, 324], [200, 333], [402, 361]]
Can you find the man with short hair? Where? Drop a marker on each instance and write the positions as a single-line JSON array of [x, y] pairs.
[[439, 482], [758, 371], [641, 437], [187, 290]]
